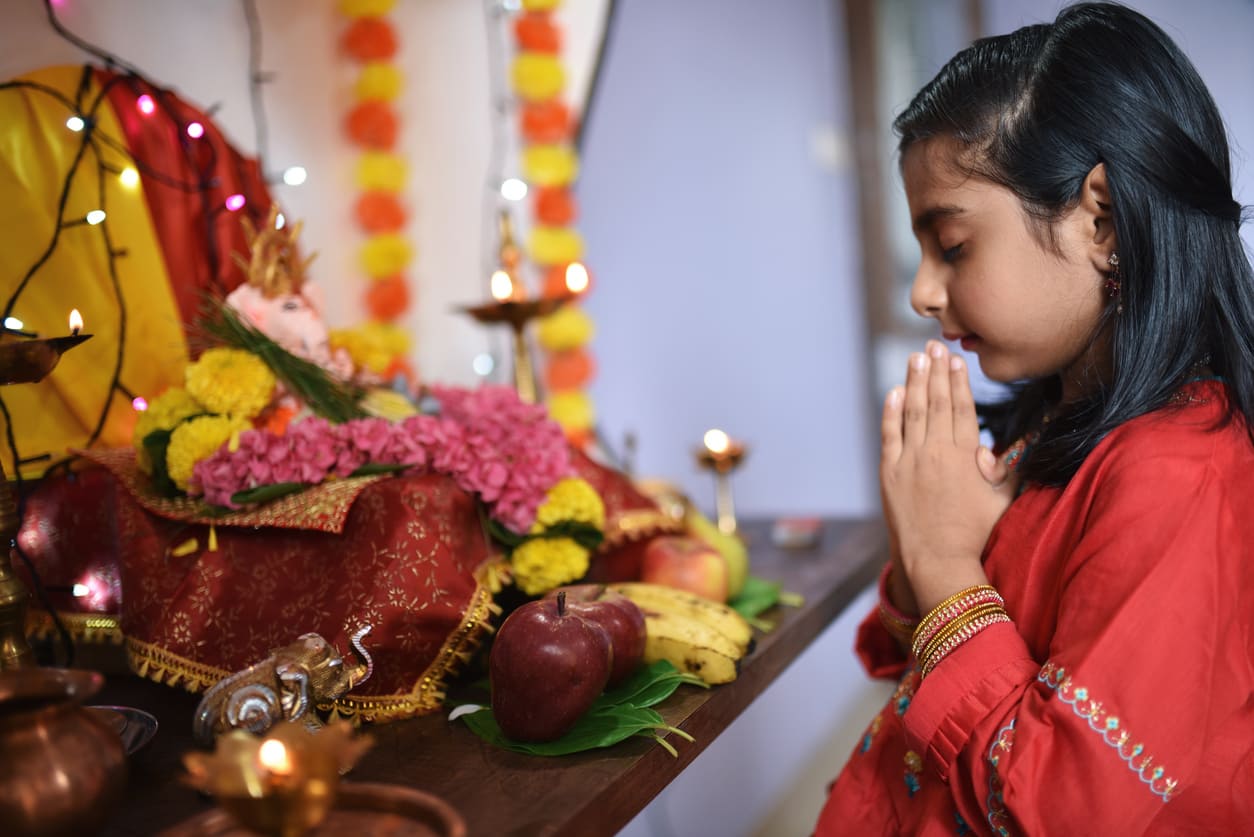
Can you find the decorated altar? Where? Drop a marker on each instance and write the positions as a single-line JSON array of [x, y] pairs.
[[215, 482]]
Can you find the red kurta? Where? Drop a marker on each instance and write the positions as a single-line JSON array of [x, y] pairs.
[[1120, 700]]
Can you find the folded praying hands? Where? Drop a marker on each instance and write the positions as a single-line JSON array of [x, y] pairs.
[[942, 492]]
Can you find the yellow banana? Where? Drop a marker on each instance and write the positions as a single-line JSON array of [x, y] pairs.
[[718, 616], [680, 642]]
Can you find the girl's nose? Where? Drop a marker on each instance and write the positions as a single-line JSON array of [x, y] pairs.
[[927, 294]]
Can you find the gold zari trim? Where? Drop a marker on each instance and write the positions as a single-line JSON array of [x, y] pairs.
[[636, 524], [321, 508], [460, 646], [82, 627], [157, 664]]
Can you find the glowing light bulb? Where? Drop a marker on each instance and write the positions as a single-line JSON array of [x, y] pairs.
[[195, 130], [513, 189], [295, 175], [140, 403], [716, 441], [146, 105], [483, 364], [129, 177], [81, 590], [95, 216], [576, 278], [236, 202], [501, 286], [14, 324], [75, 123], [279, 221]]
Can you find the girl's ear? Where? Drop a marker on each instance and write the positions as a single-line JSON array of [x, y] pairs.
[[1095, 206]]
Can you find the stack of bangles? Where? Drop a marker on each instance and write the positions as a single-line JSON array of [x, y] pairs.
[[946, 626]]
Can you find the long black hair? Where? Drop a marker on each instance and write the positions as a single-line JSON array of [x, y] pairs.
[[1036, 110]]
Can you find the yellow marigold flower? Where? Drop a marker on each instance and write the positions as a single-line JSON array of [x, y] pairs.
[[537, 76], [550, 165], [570, 499], [371, 344], [572, 409], [164, 411], [378, 170], [541, 564], [379, 80], [385, 255], [195, 439], [568, 328], [366, 8], [231, 381], [554, 245]]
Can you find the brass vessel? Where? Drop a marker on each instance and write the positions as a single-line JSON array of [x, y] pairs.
[[62, 766]]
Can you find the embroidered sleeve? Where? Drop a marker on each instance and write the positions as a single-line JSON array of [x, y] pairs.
[[1140, 681]]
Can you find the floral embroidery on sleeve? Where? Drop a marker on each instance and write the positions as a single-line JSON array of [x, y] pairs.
[[1109, 728], [998, 816]]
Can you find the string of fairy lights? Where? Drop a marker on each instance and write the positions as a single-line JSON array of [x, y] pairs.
[[202, 158]]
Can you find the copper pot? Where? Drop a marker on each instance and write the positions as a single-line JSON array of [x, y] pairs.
[[61, 767]]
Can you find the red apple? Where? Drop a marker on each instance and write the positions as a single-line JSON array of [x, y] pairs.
[[547, 665], [619, 616], [688, 564]]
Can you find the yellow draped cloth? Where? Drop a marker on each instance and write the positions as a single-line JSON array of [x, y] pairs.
[[37, 153]]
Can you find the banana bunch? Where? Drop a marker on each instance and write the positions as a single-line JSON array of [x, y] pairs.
[[696, 635]]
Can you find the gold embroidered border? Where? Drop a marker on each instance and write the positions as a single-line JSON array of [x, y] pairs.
[[159, 665], [82, 627], [458, 648], [636, 524], [321, 508]]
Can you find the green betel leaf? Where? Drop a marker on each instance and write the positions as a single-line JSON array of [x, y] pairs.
[[756, 596], [613, 717], [155, 444], [264, 493], [651, 685], [371, 468]]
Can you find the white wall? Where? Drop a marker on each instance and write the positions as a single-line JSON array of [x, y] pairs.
[[719, 210]]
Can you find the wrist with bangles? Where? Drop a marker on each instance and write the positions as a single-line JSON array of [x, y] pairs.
[[954, 621]]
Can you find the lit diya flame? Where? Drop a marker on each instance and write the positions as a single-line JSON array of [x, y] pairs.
[[576, 278], [501, 286], [274, 759], [76, 321], [716, 441]]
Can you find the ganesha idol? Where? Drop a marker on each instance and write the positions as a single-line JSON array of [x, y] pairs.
[[277, 301]]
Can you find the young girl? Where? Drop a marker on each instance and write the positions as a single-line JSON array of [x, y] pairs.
[[1073, 623]]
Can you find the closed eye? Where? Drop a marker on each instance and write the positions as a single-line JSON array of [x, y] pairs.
[[951, 254]]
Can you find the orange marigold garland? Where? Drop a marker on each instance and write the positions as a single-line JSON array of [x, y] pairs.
[[373, 125], [550, 165]]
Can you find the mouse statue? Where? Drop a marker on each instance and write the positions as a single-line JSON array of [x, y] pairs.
[[283, 686]]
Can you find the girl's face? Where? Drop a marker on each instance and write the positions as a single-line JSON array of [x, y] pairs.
[[1026, 311]]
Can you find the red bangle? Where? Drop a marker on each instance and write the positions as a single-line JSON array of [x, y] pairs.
[[898, 623]]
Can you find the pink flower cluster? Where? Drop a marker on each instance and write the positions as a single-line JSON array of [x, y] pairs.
[[489, 442]]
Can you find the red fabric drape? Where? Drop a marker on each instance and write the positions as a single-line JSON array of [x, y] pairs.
[[186, 182]]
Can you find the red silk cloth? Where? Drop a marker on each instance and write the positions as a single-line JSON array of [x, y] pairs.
[[411, 560], [186, 183]]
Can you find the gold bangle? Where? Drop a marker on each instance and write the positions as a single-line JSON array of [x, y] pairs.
[[958, 640], [928, 625], [960, 621]]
